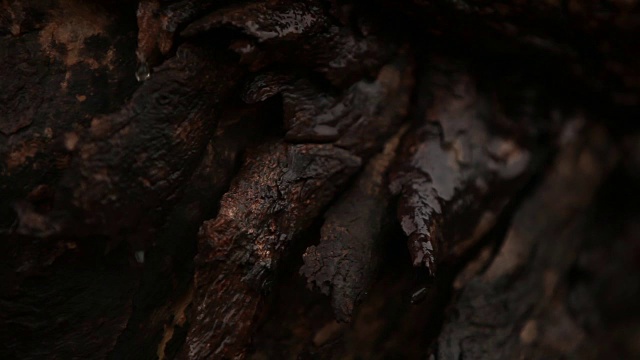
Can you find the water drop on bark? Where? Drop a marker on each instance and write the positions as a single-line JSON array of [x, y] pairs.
[[143, 73]]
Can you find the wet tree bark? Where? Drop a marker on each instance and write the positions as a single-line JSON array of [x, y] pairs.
[[319, 179]]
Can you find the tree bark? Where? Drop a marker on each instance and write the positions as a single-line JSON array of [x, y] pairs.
[[319, 179]]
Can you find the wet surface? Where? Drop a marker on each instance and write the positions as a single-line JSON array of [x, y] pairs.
[[274, 179], [301, 35], [272, 200], [460, 164], [136, 160], [241, 247]]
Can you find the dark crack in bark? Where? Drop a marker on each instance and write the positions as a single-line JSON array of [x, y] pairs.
[[343, 264], [460, 165], [280, 190]]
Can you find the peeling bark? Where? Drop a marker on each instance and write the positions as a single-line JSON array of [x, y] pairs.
[[343, 264], [192, 179], [459, 167]]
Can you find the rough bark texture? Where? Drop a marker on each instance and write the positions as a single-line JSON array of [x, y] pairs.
[[459, 166], [344, 262], [519, 304], [191, 179]]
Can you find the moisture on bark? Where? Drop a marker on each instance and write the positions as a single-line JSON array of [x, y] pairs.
[[188, 179]]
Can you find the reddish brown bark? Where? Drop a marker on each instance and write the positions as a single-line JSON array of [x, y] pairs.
[[190, 179]]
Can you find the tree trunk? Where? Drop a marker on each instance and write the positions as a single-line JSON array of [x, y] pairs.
[[319, 179]]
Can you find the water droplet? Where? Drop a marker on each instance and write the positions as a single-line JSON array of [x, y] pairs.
[[143, 73], [140, 257], [419, 296]]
